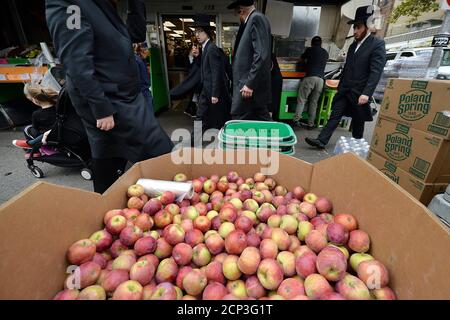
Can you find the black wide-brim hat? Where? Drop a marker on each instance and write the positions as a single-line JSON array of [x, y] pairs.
[[244, 3], [202, 21], [362, 15]]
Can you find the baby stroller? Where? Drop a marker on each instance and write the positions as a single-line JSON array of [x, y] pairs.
[[67, 141]]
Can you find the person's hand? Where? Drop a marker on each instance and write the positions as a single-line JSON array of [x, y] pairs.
[[246, 92], [363, 100], [106, 124], [214, 100], [45, 137]]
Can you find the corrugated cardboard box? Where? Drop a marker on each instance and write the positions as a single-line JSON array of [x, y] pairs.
[[423, 105], [424, 192], [38, 226], [425, 156]]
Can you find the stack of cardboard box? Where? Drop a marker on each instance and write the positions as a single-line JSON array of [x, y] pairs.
[[411, 143]]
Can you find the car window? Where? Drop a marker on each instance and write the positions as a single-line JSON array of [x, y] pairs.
[[446, 59], [406, 54], [424, 53]]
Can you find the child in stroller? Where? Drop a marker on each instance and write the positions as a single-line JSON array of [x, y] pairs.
[[61, 140]]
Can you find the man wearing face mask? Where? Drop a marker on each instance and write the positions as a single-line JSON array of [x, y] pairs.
[[95, 47], [252, 64], [366, 59]]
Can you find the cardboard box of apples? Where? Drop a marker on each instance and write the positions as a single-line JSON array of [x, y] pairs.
[[335, 230]]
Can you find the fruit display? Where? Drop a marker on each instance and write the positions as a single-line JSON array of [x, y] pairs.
[[236, 239]]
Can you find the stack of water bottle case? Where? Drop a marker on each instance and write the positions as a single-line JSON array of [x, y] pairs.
[[411, 142]]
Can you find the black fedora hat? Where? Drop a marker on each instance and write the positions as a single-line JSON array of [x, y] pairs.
[[202, 21], [244, 3], [363, 14]]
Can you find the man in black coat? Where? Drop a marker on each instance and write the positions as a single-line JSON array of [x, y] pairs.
[[366, 59], [214, 100], [252, 64], [96, 50]]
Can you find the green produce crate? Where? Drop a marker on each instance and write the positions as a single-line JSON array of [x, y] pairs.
[[283, 150], [18, 61], [242, 141], [259, 132]]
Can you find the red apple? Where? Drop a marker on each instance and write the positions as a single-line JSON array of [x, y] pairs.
[[130, 235], [215, 244], [332, 264], [268, 249], [145, 246], [163, 219], [142, 272], [124, 262], [230, 268], [228, 214], [209, 186], [116, 224], [113, 279], [92, 293], [152, 207], [180, 177], [215, 291], [225, 229], [332, 296], [254, 288], [67, 294], [374, 274], [383, 294], [110, 214], [236, 242], [144, 222], [100, 260], [214, 272], [337, 233], [116, 248], [232, 176], [187, 224], [164, 291], [305, 264], [182, 254], [102, 240], [249, 261], [195, 282], [316, 241], [323, 205], [289, 224], [316, 286], [286, 260], [299, 193], [243, 223], [81, 251], [174, 234], [291, 288], [201, 255], [194, 237], [149, 290], [135, 203], [295, 243], [163, 249], [281, 238], [167, 271], [270, 274], [253, 239], [359, 241], [197, 184], [352, 288], [308, 209], [347, 220]]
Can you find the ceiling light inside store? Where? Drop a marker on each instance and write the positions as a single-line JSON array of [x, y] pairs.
[[226, 28], [167, 29], [213, 24], [169, 24], [178, 31], [187, 19], [175, 35]]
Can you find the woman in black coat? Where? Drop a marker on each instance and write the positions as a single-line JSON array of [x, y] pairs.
[[103, 84]]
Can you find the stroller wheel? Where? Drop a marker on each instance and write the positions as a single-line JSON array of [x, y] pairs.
[[86, 174], [37, 172]]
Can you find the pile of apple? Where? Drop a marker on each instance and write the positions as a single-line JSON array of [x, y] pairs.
[[235, 239]]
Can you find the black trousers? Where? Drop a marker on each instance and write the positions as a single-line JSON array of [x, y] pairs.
[[106, 172], [340, 104]]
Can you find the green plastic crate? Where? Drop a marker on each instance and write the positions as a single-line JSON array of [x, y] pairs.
[[255, 143], [259, 131], [283, 150]]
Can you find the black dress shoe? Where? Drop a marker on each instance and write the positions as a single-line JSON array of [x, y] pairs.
[[315, 143]]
